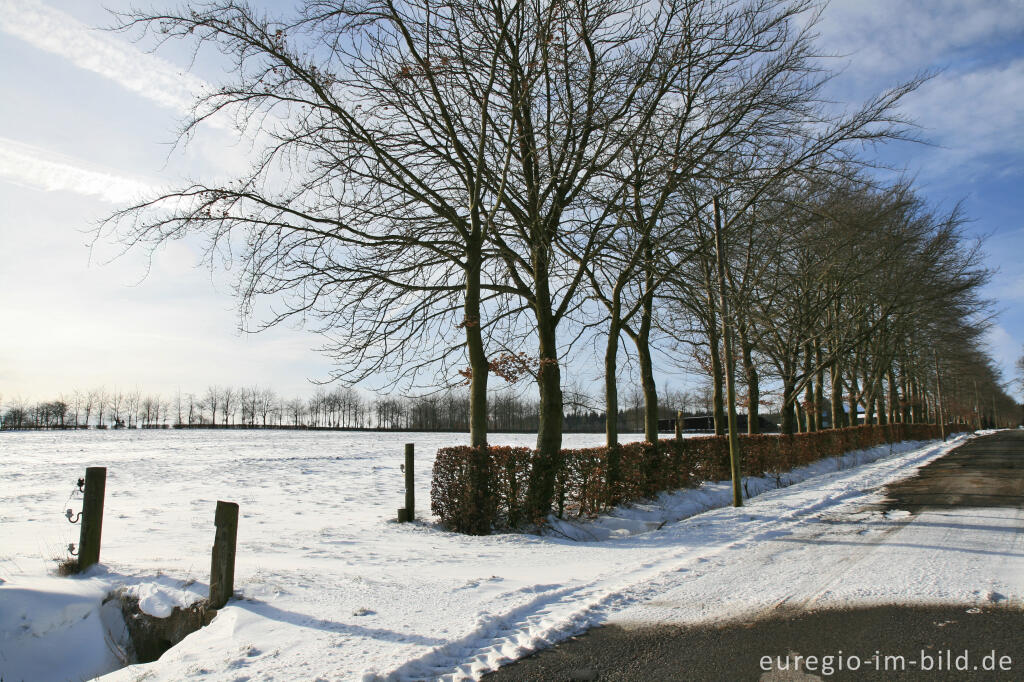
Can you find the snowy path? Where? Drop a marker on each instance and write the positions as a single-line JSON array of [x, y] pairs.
[[332, 590], [870, 558], [844, 556]]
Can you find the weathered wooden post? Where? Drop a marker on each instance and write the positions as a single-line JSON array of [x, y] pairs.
[[408, 513], [222, 568], [679, 424], [92, 517]]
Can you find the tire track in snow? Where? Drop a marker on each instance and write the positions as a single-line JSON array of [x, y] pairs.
[[808, 591], [562, 613]]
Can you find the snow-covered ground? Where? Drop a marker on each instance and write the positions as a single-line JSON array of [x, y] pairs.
[[332, 589]]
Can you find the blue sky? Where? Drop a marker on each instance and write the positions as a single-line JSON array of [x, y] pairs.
[[88, 119]]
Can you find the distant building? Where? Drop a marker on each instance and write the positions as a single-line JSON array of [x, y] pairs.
[[706, 423]]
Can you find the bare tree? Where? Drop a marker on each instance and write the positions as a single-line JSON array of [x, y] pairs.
[[296, 410], [76, 405], [133, 405], [212, 401], [116, 403], [100, 396], [391, 109], [228, 403], [1020, 371], [265, 404], [178, 407], [89, 405]]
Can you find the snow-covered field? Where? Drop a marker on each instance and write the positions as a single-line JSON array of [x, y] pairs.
[[332, 589]]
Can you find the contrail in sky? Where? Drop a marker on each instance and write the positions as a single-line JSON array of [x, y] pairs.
[[37, 168], [156, 79]]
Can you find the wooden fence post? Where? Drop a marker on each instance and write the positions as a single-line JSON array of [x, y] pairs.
[[679, 424], [92, 517], [222, 568], [408, 513]]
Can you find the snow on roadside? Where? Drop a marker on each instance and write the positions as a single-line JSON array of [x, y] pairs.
[[666, 559], [331, 588], [675, 505]]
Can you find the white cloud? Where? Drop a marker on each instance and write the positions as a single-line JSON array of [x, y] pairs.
[[974, 112], [1005, 349], [885, 37], [145, 74], [1009, 288], [33, 167], [969, 108]]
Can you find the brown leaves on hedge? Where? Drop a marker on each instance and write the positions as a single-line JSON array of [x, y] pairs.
[[476, 490]]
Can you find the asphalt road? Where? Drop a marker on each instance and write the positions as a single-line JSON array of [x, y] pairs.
[[986, 472], [884, 643]]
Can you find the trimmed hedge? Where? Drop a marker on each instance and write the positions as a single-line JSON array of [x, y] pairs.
[[477, 490]]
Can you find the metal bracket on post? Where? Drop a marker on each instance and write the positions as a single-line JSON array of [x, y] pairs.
[[92, 517]]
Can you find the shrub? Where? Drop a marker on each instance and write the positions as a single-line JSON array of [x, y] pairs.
[[477, 490]]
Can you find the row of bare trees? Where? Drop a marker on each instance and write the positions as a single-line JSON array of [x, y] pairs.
[[217, 405], [853, 298], [458, 189], [341, 408], [80, 408]]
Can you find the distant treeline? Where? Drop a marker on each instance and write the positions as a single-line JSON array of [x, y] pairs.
[[338, 409]]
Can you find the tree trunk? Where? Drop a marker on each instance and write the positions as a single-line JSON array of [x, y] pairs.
[[924, 416], [611, 401], [854, 421], [940, 416], [908, 399], [480, 460], [611, 389], [879, 394], [838, 417], [809, 420], [819, 390], [977, 406], [753, 382], [894, 397], [540, 494], [717, 379], [643, 348], [650, 389], [788, 425], [716, 359], [477, 356]]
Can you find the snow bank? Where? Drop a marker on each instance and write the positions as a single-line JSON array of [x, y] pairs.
[[59, 628], [676, 505]]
